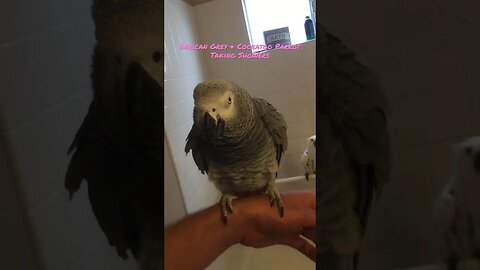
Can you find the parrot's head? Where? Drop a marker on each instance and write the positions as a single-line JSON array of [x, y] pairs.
[[133, 32], [471, 146], [222, 108], [313, 140]]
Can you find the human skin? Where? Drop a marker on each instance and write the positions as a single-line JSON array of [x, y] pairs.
[[195, 241]]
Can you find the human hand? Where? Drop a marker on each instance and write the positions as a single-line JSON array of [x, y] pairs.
[[261, 225]]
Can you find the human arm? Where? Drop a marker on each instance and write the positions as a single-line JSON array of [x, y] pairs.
[[194, 242]]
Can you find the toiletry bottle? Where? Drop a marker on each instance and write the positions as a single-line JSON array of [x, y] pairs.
[[309, 30]]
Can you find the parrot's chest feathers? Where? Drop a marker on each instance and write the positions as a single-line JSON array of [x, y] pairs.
[[244, 167], [242, 179]]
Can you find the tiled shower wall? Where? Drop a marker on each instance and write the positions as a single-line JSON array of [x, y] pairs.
[[183, 71], [427, 54], [45, 56]]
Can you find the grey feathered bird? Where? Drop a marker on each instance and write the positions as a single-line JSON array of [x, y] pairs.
[[454, 214], [118, 149], [353, 150], [237, 140]]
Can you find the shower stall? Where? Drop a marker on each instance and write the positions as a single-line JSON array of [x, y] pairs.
[[286, 79]]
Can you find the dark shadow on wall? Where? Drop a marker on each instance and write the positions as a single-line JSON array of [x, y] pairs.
[[19, 246]]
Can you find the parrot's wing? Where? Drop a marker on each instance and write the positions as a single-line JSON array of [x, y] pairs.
[[350, 96], [274, 123], [119, 151], [197, 145]]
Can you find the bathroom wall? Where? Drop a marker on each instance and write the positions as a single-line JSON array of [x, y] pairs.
[[183, 71], [426, 53], [45, 56], [18, 250], [174, 203]]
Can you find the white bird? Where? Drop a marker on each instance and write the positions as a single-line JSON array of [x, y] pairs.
[[308, 157], [454, 212]]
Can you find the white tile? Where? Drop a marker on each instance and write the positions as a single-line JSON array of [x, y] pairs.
[[101, 256], [195, 179], [187, 110], [172, 93], [61, 123], [67, 10], [67, 50], [10, 26], [179, 22], [18, 95], [187, 190], [36, 15], [291, 165], [177, 137], [65, 228], [418, 6], [181, 165], [44, 68], [34, 158], [310, 77], [297, 144], [300, 128], [205, 196], [174, 116]]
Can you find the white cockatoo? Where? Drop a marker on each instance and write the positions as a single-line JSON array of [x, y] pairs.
[[309, 157], [455, 213]]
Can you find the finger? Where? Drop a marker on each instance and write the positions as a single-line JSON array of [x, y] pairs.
[[310, 234], [303, 246]]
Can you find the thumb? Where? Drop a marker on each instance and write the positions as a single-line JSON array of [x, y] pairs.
[[303, 246]]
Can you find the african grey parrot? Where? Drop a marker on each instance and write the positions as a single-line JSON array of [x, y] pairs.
[[237, 140], [456, 214], [118, 149], [353, 150]]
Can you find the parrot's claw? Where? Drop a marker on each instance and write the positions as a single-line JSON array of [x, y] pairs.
[[275, 198], [226, 206]]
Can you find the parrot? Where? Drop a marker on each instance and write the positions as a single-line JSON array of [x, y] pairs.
[[309, 157], [238, 140], [453, 217], [354, 158], [118, 149]]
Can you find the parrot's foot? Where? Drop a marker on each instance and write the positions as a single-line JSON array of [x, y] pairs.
[[306, 176], [226, 206], [275, 198]]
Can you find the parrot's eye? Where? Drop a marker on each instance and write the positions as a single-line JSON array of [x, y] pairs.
[[213, 110], [229, 100], [157, 56]]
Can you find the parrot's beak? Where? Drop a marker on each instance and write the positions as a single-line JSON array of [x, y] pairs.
[[213, 128]]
